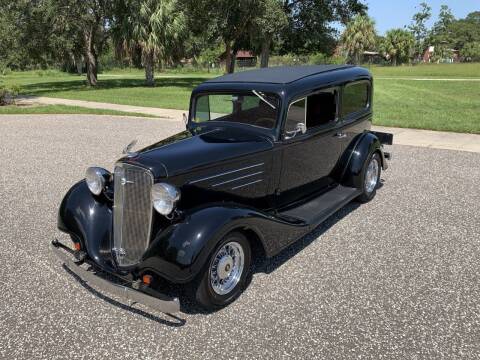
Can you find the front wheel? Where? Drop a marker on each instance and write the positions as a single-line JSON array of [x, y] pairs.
[[371, 178], [224, 277]]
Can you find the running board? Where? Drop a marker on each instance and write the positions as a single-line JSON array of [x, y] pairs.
[[318, 209]]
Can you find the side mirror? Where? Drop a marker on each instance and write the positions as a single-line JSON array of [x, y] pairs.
[[185, 119], [300, 128]]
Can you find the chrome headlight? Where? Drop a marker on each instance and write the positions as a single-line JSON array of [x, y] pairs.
[[164, 197], [96, 179]]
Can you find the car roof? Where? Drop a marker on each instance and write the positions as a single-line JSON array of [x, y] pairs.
[[277, 75]]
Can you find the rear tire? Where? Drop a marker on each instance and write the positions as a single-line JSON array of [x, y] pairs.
[[223, 278], [371, 172]]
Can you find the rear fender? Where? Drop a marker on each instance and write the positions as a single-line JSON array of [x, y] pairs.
[[357, 154]]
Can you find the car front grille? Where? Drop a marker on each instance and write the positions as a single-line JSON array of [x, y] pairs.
[[132, 213]]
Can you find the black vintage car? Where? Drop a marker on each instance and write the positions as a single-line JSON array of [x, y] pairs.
[[266, 156]]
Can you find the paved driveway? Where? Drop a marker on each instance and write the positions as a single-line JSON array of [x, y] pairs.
[[395, 278]]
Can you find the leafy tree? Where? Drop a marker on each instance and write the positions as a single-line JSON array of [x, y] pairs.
[[471, 51], [310, 27], [359, 35], [419, 28], [466, 31], [267, 24], [230, 21], [87, 25], [398, 45], [441, 32]]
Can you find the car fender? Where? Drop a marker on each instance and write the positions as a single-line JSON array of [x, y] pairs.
[[357, 153], [88, 219], [180, 251]]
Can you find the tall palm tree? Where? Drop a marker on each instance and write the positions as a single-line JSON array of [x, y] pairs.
[[157, 26], [359, 35], [398, 45]]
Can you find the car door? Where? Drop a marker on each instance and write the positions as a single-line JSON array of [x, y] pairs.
[[308, 158]]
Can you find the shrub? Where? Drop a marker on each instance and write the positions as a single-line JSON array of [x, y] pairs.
[[8, 94]]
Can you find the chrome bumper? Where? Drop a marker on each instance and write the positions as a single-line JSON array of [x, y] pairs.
[[166, 305]]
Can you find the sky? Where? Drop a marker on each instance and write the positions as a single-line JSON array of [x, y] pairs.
[[390, 14]]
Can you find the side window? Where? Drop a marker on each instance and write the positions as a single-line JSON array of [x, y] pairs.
[[355, 97], [202, 112], [296, 114], [321, 108]]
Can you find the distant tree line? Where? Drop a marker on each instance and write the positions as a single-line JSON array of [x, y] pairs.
[[84, 35], [409, 44], [76, 35]]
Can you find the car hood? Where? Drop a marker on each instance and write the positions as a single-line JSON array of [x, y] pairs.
[[187, 151]]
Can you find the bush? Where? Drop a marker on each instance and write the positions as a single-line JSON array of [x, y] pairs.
[[8, 94]]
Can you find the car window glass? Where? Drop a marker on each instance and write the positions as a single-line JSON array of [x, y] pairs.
[[321, 108], [242, 108], [203, 109], [355, 97], [296, 114]]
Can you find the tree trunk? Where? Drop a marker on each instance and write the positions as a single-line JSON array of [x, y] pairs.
[[149, 68], [394, 60], [265, 55], [90, 58], [233, 59], [228, 56]]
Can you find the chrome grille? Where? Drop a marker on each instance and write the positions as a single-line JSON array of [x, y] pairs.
[[132, 213]]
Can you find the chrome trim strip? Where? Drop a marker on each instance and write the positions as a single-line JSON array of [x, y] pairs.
[[238, 178], [224, 173], [250, 183]]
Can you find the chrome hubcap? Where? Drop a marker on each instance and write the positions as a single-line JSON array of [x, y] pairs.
[[227, 268], [371, 177]]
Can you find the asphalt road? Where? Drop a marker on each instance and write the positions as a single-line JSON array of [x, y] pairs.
[[395, 278]]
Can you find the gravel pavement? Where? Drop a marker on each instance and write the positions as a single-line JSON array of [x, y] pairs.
[[395, 278]]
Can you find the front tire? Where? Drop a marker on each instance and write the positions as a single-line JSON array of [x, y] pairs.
[[223, 278], [370, 178]]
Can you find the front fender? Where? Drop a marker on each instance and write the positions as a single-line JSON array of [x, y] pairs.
[[180, 251], [88, 219], [358, 153]]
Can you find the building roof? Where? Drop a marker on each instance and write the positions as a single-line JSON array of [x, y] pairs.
[[277, 75], [244, 54]]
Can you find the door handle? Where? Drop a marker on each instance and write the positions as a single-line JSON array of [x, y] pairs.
[[340, 135]]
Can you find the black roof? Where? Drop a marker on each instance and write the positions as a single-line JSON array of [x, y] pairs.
[[277, 75]]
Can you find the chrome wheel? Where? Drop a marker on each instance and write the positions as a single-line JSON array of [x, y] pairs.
[[371, 176], [227, 268]]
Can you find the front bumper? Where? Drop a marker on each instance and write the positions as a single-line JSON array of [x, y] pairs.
[[159, 302]]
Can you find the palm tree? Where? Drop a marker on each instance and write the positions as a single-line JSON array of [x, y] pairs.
[[157, 26], [398, 45], [358, 36]]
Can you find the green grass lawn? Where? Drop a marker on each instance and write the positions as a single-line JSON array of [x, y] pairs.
[[61, 109], [463, 70], [435, 105]]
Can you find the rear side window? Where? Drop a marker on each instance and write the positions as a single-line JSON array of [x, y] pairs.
[[355, 97]]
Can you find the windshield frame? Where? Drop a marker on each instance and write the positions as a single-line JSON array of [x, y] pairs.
[[247, 92]]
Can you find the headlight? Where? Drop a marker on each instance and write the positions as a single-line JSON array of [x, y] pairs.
[[164, 197], [96, 178]]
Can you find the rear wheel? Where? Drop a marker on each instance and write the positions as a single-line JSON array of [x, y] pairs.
[[223, 279], [371, 178]]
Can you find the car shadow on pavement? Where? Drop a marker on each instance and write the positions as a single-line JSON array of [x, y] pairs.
[[268, 265], [174, 322]]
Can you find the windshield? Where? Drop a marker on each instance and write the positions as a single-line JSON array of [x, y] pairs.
[[254, 108]]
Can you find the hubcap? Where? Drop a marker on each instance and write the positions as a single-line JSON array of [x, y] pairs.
[[371, 177], [227, 268]]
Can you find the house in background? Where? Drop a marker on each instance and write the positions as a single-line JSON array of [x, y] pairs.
[[429, 52], [246, 58]]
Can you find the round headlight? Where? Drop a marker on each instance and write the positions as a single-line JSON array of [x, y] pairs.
[[164, 197], [96, 178]]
